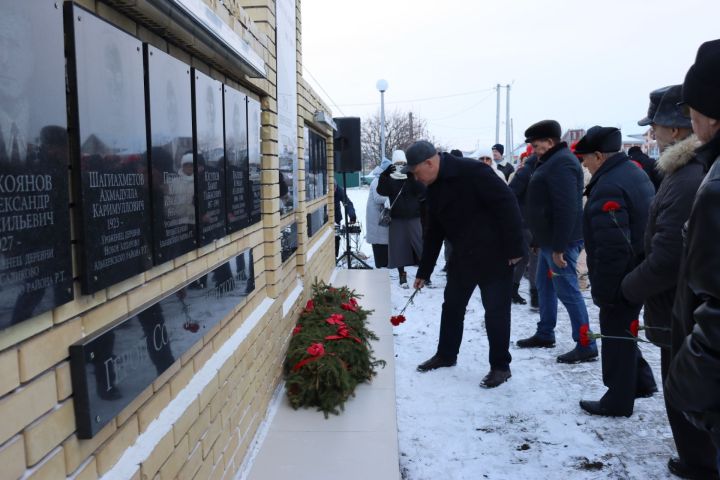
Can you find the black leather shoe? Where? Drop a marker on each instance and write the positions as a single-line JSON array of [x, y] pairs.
[[578, 355], [535, 342], [646, 392], [681, 469], [595, 408], [436, 361], [495, 378]]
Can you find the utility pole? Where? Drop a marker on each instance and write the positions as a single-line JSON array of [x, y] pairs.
[[412, 132], [497, 115], [508, 135]]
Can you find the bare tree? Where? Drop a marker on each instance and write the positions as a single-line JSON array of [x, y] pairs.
[[401, 130]]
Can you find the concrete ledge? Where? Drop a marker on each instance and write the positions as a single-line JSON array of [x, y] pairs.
[[303, 445]]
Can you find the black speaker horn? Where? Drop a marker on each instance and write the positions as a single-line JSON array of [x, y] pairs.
[[347, 145]]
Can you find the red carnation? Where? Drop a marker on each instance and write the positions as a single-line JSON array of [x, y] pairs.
[[316, 349], [397, 319], [611, 206], [634, 327], [550, 274], [335, 319], [349, 307], [297, 329], [585, 335], [309, 306], [353, 302]]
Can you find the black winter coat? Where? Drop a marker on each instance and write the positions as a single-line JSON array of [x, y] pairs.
[[554, 199], [649, 166], [411, 194], [614, 236], [519, 184], [693, 383], [654, 281], [471, 207], [341, 196]]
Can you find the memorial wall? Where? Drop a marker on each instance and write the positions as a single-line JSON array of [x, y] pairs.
[[158, 233]]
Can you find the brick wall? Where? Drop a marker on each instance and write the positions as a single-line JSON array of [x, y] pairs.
[[211, 436]]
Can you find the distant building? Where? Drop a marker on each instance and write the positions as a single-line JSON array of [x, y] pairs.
[[573, 135]]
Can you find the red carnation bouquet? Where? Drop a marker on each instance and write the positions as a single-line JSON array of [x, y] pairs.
[[400, 318]]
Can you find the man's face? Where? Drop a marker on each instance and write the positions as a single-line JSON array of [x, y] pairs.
[[497, 156], [592, 161], [704, 127], [541, 146], [487, 160], [663, 136], [427, 171]]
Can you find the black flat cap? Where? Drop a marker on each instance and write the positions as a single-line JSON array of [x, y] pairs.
[[543, 129], [417, 153], [600, 139], [701, 89], [669, 113], [655, 97]]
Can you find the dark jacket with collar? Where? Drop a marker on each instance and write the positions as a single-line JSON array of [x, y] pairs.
[[341, 197], [520, 181], [693, 383], [554, 199], [614, 239], [406, 195], [649, 166], [471, 207], [654, 281]]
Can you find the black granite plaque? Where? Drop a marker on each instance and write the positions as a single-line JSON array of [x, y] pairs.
[[288, 241], [316, 220], [110, 369], [236, 160], [255, 158], [35, 260], [315, 165], [105, 71], [209, 157], [172, 171]]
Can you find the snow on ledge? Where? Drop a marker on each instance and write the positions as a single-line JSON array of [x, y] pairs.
[[137, 453], [292, 298], [318, 243]]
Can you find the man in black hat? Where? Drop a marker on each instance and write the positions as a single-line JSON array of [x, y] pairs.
[[693, 383], [654, 281], [473, 208], [553, 211], [636, 153], [498, 150], [619, 196]]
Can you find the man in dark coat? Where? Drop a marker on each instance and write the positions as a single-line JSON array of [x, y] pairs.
[[554, 213], [647, 164], [693, 383], [503, 165], [654, 281], [340, 197], [619, 196], [473, 208]]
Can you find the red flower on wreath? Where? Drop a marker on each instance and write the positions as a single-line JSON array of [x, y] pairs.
[[585, 335], [397, 320], [336, 319], [316, 349], [634, 327], [610, 206], [353, 302], [349, 307], [297, 329], [309, 306]]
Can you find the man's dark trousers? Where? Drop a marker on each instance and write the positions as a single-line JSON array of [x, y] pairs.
[[495, 291], [625, 371]]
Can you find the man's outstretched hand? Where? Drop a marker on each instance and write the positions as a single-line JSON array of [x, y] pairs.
[[419, 283]]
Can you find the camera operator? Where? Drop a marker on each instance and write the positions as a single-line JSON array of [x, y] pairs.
[[342, 198]]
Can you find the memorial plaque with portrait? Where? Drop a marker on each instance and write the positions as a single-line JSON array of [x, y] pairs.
[[105, 71], [172, 168], [236, 160], [316, 220], [288, 241], [111, 368], [209, 157], [35, 257], [255, 158]]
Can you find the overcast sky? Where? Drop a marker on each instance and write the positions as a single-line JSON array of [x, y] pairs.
[[579, 62]]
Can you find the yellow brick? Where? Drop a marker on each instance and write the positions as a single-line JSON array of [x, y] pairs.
[[166, 375], [221, 444], [199, 427], [124, 286], [141, 296], [205, 469], [208, 393], [172, 280], [181, 379], [88, 471], [81, 304], [186, 420], [191, 352], [160, 453], [47, 432], [26, 404], [25, 329], [77, 451], [218, 469], [149, 412], [104, 314], [45, 350], [12, 458], [53, 467], [9, 371], [187, 472], [63, 380], [208, 440], [203, 356], [128, 411], [175, 461], [111, 451], [219, 401], [196, 267]]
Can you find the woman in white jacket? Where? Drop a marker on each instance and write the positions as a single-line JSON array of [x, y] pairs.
[[377, 235], [487, 159]]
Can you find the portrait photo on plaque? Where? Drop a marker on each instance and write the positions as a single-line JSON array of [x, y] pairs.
[[254, 157], [105, 72], [209, 157], [35, 257], [238, 193], [172, 165]]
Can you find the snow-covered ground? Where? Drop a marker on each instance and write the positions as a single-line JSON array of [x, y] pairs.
[[529, 428]]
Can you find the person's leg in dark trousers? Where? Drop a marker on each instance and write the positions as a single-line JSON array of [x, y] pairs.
[[495, 295], [695, 448], [620, 360], [458, 290]]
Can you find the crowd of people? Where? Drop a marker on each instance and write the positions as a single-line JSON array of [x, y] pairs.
[[643, 230]]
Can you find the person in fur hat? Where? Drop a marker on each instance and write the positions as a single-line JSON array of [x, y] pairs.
[[654, 281]]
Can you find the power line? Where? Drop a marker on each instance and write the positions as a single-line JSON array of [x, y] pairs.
[[475, 92], [327, 94], [463, 110]]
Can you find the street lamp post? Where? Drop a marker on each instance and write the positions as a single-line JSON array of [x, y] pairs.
[[382, 85]]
